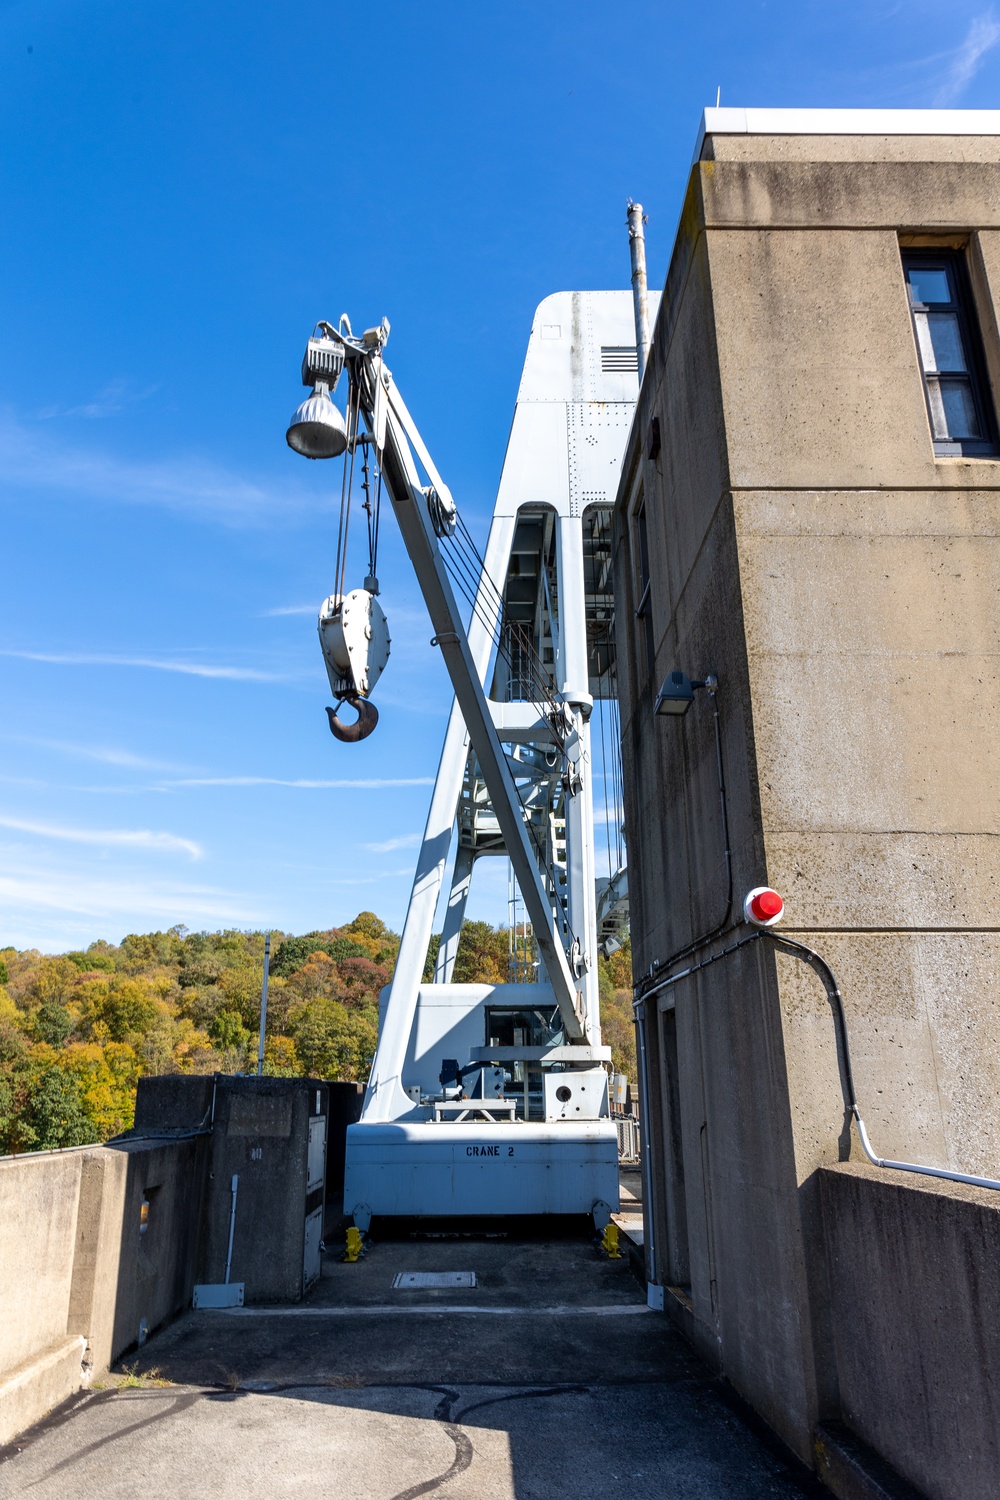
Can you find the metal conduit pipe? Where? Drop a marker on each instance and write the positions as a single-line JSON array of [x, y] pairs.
[[142, 1135], [815, 961], [639, 1013], [822, 968]]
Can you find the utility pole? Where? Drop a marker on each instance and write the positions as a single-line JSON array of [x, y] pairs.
[[637, 246], [263, 1009]]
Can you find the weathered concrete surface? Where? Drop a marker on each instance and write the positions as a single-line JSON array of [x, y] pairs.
[[41, 1362], [78, 1277], [853, 148], [378, 1394], [808, 546], [156, 1269], [915, 1281], [39, 1197], [261, 1135], [39, 1383]]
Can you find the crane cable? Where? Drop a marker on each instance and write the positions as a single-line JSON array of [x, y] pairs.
[[347, 484]]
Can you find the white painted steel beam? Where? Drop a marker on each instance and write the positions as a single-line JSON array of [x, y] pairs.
[[454, 916], [572, 669], [386, 1098], [410, 506]]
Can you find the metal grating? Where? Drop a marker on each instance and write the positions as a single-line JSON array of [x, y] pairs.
[[619, 357], [628, 1138], [444, 1280]]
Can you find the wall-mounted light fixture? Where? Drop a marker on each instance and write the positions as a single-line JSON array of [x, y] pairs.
[[677, 693]]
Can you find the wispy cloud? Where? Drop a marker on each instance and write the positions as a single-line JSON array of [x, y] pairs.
[[108, 402], [290, 609], [107, 755], [156, 664], [371, 784], [109, 903], [187, 483], [133, 838], [938, 79], [405, 841], [965, 60]]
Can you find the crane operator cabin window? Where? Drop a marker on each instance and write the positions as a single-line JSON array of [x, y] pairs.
[[959, 406]]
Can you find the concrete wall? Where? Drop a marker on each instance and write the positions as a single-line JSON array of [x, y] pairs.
[[99, 1246], [41, 1359], [807, 546], [270, 1134], [79, 1277], [915, 1279], [261, 1136]]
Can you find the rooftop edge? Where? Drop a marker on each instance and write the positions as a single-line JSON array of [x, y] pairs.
[[846, 122]]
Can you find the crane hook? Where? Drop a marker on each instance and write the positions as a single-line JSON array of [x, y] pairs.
[[362, 726]]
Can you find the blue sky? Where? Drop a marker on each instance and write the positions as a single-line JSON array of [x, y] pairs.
[[185, 189]]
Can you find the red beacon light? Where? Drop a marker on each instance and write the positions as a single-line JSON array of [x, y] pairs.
[[763, 907]]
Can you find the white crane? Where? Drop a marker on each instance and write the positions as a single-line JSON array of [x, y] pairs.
[[492, 1099]]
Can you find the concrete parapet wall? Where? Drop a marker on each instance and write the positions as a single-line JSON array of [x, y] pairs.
[[80, 1273], [40, 1361], [100, 1245], [39, 1199], [914, 1267]]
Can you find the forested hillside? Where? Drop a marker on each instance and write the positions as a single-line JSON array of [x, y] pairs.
[[77, 1030]]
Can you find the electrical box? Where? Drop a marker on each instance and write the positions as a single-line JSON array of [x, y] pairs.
[[311, 1250], [576, 1094], [316, 1153]]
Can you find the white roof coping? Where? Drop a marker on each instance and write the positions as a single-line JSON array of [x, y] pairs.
[[846, 122]]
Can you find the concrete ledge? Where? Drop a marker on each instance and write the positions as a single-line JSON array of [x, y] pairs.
[[914, 1266], [679, 1309], [853, 1471], [36, 1386]]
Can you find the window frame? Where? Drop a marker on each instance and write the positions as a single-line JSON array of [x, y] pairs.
[[953, 262]]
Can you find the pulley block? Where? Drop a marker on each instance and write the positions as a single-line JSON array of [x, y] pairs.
[[354, 636]]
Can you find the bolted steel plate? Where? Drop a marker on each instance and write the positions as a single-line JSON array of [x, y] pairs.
[[442, 1279]]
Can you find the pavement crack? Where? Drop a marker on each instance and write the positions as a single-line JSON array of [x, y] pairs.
[[552, 1390], [464, 1451], [442, 1412], [464, 1454]]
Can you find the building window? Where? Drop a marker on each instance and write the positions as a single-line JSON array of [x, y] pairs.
[[951, 357], [644, 609]]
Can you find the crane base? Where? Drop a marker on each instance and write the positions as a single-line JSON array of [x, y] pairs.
[[472, 1168]]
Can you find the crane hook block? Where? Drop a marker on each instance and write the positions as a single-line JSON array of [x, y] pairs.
[[362, 726]]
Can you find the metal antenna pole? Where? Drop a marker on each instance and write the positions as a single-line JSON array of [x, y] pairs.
[[637, 246], [263, 1007]]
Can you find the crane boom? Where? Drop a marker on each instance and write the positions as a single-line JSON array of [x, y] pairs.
[[492, 1096], [413, 510]]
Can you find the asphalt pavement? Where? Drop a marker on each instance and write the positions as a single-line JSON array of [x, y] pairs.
[[548, 1378]]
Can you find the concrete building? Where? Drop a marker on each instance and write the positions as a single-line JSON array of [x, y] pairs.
[[810, 510]]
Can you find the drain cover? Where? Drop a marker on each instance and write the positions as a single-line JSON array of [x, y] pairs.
[[449, 1279]]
